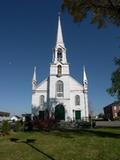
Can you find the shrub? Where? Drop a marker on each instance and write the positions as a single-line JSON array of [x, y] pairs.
[[117, 118], [18, 126], [5, 126], [28, 126], [83, 124]]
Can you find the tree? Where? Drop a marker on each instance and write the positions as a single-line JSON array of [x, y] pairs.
[[100, 115], [5, 126], [114, 90], [101, 11], [18, 126]]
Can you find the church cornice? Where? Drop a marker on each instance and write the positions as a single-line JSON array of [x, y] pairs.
[[57, 63], [60, 76]]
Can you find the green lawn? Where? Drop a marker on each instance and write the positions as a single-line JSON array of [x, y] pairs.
[[96, 144]]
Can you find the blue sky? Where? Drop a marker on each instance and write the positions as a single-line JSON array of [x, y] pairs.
[[27, 36]]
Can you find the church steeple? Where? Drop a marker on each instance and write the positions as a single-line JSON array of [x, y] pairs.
[[59, 66], [59, 40], [59, 54]]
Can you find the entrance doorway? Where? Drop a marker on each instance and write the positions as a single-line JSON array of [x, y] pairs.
[[59, 112], [78, 115], [41, 115]]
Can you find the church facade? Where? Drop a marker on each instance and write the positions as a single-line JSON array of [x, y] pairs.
[[60, 95]]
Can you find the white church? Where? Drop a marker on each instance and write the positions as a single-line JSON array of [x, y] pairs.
[[60, 96]]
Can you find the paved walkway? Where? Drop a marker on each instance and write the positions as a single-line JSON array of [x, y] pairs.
[[107, 123]]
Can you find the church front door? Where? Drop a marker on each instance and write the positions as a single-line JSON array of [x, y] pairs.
[[59, 112], [77, 115], [41, 115]]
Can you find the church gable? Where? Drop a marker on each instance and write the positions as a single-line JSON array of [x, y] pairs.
[[75, 85], [42, 85]]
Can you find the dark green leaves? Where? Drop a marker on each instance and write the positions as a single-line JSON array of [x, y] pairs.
[[103, 11], [114, 90]]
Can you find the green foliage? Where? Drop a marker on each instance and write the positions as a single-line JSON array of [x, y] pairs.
[[5, 126], [18, 126], [117, 118], [114, 90], [100, 115], [102, 11]]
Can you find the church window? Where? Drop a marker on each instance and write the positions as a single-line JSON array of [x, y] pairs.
[[42, 98], [59, 88], [59, 70], [59, 54], [77, 100]]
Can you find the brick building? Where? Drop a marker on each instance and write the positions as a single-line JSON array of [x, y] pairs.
[[112, 110]]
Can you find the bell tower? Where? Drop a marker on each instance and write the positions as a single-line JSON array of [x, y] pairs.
[[59, 65]]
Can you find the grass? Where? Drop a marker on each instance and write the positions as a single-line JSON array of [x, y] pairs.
[[96, 144]]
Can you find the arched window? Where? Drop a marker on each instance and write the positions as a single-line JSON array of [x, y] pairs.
[[42, 99], [77, 100], [59, 70], [59, 54], [59, 88]]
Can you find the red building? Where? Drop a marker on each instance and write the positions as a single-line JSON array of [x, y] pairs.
[[112, 111]]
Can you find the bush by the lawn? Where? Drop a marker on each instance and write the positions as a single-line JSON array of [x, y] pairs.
[[5, 126], [18, 126]]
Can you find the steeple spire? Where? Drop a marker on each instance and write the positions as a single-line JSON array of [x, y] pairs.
[[34, 81], [59, 52], [85, 80], [59, 40]]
